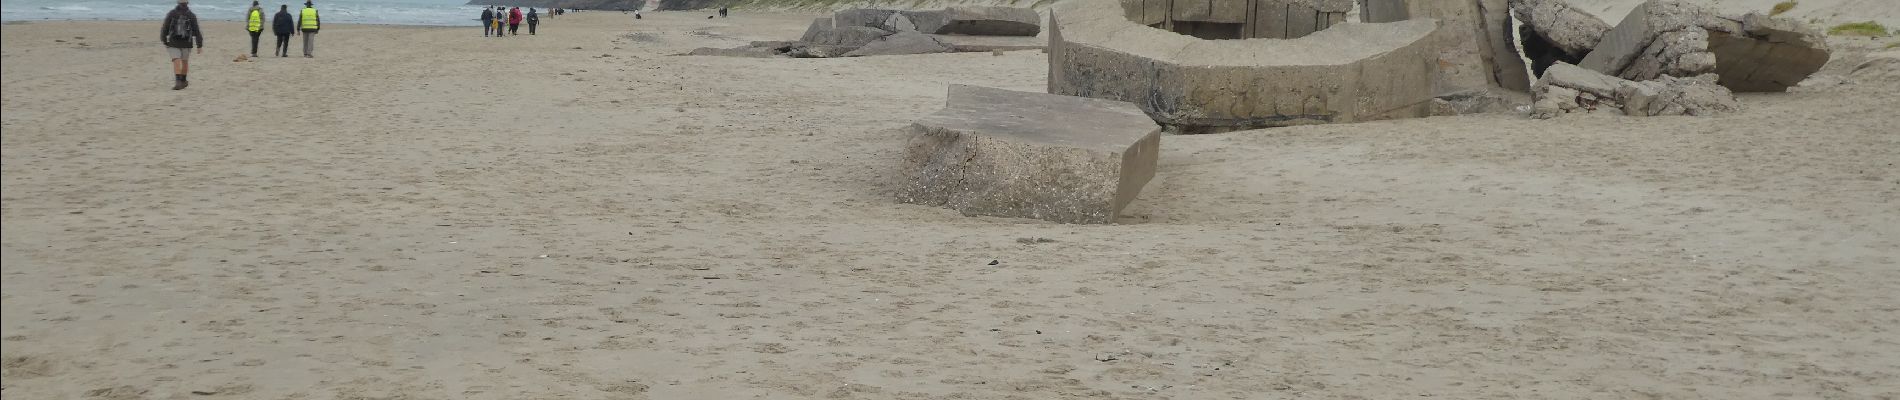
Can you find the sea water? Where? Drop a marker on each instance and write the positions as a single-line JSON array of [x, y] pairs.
[[392, 12]]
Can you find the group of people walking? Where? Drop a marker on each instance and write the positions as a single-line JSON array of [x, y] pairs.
[[494, 19], [181, 34]]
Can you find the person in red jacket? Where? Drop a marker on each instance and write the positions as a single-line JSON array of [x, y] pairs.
[[514, 20]]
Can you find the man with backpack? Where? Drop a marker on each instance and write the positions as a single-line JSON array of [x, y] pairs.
[[254, 22], [181, 35], [488, 20], [281, 25], [309, 25], [533, 19]]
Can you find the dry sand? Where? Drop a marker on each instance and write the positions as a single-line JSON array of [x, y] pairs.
[[424, 213]]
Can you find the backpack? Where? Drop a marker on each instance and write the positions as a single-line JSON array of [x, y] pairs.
[[181, 31]]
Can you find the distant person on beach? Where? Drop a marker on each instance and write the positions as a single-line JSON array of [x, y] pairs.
[[636, 13], [722, 12], [533, 19], [488, 21], [180, 35], [514, 20], [254, 22], [500, 18], [283, 26], [309, 25]]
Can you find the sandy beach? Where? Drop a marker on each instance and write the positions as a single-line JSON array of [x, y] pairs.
[[425, 213]]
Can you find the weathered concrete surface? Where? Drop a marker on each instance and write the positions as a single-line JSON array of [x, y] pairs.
[[1476, 50], [901, 43], [1349, 73], [1566, 88], [1670, 37], [984, 21], [1015, 154], [865, 17], [849, 36], [1238, 19], [818, 27], [899, 23]]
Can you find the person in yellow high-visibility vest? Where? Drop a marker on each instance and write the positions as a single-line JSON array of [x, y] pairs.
[[254, 21], [308, 25]]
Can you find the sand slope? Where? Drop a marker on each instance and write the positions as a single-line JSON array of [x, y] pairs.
[[445, 216]]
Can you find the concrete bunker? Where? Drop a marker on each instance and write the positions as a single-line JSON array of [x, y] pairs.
[[1238, 19], [1345, 73]]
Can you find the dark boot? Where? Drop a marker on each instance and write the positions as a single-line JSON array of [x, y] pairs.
[[181, 84]]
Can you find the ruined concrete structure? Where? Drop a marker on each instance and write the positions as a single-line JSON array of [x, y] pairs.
[[1477, 49], [1347, 73], [1751, 53], [1556, 32], [1239, 19], [1016, 154]]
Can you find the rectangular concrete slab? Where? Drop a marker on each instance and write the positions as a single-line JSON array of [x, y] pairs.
[[1005, 153]]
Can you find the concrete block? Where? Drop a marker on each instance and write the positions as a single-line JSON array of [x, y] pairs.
[[1015, 154], [1348, 73]]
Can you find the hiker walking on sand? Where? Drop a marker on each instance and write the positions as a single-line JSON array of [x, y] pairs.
[[501, 17], [254, 22], [283, 27], [309, 25], [488, 21], [514, 20], [181, 35], [533, 19]]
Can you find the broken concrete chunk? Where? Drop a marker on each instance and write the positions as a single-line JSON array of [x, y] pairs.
[[1567, 88], [907, 42], [1015, 154], [818, 27], [899, 23], [1676, 53], [1751, 53]]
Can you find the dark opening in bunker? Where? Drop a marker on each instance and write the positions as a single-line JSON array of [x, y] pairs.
[[1211, 30], [1542, 53]]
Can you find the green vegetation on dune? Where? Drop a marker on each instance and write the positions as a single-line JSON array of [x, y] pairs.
[[1782, 7], [1869, 28]]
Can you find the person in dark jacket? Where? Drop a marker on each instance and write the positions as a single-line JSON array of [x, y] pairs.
[[283, 26], [181, 35], [533, 19], [488, 21]]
